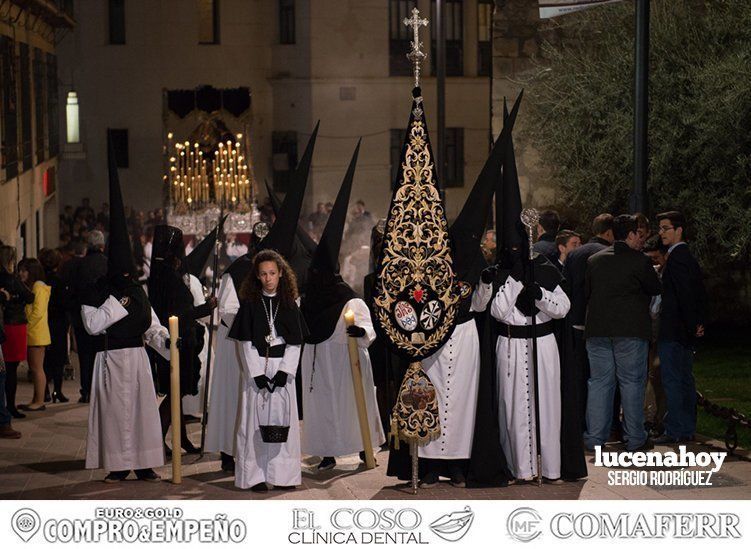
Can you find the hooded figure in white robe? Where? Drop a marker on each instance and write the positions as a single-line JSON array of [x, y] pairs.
[[225, 386], [331, 427], [195, 262], [511, 307], [124, 431]]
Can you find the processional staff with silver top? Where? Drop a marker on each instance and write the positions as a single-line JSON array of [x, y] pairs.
[[531, 218]]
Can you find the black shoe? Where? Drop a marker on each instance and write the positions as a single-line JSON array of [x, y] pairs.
[[148, 475], [429, 480], [84, 399], [116, 476], [189, 448], [260, 487], [327, 463], [28, 408], [285, 487], [47, 397], [457, 478], [15, 413], [656, 432], [228, 463], [648, 445], [665, 439], [362, 456], [58, 396]]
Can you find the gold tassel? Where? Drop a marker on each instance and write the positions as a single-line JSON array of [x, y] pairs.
[[394, 432]]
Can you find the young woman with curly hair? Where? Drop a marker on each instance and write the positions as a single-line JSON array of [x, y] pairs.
[[271, 330]]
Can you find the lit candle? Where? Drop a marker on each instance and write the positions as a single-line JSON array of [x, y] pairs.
[[174, 334], [349, 317]]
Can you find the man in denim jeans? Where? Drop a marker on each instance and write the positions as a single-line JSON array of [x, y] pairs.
[[619, 286], [682, 314]]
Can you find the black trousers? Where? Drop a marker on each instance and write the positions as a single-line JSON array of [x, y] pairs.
[[86, 356], [11, 382], [56, 356], [582, 364]]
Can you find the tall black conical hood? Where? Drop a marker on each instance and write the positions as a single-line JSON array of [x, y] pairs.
[[469, 226], [508, 199], [303, 237], [326, 256], [282, 233], [196, 260], [119, 251], [326, 293]]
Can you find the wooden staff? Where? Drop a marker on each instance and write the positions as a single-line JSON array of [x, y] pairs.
[[362, 412], [174, 334], [207, 381]]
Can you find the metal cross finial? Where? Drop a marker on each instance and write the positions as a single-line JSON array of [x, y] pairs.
[[417, 56]]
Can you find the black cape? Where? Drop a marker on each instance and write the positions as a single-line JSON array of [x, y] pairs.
[[132, 297], [322, 306], [251, 324], [171, 296]]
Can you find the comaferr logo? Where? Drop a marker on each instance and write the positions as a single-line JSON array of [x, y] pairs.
[[641, 525], [524, 524]]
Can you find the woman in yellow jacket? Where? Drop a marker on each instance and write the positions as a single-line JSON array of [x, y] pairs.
[[38, 330]]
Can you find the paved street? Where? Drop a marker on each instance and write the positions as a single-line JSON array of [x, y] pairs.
[[48, 463]]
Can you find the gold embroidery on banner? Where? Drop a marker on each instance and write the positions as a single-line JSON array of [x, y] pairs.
[[416, 247], [416, 412]]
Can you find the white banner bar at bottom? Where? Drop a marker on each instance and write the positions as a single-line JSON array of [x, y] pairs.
[[443, 523]]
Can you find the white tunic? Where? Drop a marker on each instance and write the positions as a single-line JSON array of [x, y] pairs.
[[454, 371], [257, 461], [516, 408], [225, 387], [124, 429], [331, 426], [193, 404]]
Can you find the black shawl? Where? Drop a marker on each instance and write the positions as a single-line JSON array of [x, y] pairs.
[[252, 325]]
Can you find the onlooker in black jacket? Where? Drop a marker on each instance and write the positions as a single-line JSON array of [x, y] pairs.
[[620, 282], [574, 271], [83, 275], [14, 318], [682, 316], [56, 356], [6, 431], [547, 229]]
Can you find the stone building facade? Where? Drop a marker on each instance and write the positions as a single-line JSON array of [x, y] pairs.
[[29, 123], [338, 61]]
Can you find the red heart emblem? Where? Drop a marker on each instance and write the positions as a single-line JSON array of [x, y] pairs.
[[418, 295]]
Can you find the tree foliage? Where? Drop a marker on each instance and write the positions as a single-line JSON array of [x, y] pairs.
[[699, 116]]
